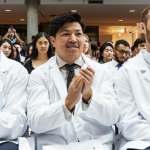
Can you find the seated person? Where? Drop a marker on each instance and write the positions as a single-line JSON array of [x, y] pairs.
[[132, 84], [71, 97], [13, 100]]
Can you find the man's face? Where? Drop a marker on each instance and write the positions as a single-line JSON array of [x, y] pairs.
[[141, 46], [69, 42], [119, 56], [11, 34]]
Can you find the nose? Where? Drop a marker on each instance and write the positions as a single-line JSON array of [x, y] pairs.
[[7, 49], [43, 45], [72, 38], [144, 47], [124, 55]]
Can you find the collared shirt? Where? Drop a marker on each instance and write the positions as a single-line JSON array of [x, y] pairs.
[[64, 72], [146, 56]]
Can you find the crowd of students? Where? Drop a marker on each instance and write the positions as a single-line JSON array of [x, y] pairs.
[[74, 93]]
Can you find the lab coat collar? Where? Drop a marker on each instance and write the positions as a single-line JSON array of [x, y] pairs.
[[5, 63]]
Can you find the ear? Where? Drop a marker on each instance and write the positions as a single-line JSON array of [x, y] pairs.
[[52, 40], [143, 28]]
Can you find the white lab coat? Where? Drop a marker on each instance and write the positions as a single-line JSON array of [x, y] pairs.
[[111, 65], [13, 99], [132, 86], [46, 95]]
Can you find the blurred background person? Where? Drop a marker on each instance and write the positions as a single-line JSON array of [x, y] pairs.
[[29, 52], [12, 35], [7, 48], [87, 47], [139, 44], [42, 51], [23, 46], [16, 55], [106, 53], [18, 46]]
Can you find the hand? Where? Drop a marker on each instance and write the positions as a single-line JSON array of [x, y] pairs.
[[9, 30], [74, 92], [87, 77], [14, 30]]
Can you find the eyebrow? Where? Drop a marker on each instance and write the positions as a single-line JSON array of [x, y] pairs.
[[69, 30]]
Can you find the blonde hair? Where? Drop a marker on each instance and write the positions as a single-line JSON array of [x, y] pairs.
[[89, 49]]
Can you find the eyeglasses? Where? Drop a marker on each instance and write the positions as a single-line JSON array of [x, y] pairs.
[[122, 52]]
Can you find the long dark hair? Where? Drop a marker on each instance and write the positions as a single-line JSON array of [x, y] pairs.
[[28, 55], [102, 48], [9, 42], [50, 51]]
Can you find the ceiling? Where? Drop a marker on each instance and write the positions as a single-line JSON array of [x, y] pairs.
[[105, 15]]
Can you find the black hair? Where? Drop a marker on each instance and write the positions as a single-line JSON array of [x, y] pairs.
[[132, 48], [28, 55], [16, 43], [9, 42], [33, 37], [123, 42], [60, 20], [139, 41], [18, 55], [50, 51], [102, 48]]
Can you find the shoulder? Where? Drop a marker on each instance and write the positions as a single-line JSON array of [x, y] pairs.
[[17, 68], [108, 64]]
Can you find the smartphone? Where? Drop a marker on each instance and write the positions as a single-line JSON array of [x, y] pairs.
[[11, 27]]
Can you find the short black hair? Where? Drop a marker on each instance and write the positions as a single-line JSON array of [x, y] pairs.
[[139, 41], [102, 48], [132, 48], [123, 42], [33, 37], [50, 51], [58, 21]]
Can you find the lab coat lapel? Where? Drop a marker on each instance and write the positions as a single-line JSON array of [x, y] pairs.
[[5, 64], [142, 93], [57, 78]]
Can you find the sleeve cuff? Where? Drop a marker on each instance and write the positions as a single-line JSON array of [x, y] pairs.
[[86, 106], [67, 113]]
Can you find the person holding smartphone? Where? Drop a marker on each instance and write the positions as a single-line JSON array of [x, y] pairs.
[[12, 35]]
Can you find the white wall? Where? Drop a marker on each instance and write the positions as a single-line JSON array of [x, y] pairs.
[[124, 36], [104, 38]]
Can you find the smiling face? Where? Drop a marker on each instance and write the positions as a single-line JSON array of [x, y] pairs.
[[69, 42]]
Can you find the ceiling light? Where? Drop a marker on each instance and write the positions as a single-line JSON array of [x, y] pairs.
[[120, 20], [21, 19], [122, 31], [73, 10], [8, 10], [132, 10]]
